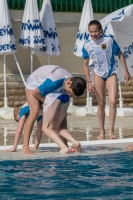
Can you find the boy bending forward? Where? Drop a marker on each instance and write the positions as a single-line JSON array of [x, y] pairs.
[[44, 80], [54, 113], [21, 114]]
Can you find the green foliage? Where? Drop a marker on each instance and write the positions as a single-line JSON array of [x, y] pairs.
[[99, 6]]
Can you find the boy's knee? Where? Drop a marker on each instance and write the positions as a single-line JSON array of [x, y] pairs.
[[46, 127], [112, 103], [34, 112], [101, 104]]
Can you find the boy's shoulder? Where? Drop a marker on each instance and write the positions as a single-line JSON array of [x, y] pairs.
[[108, 38], [88, 43], [24, 105], [24, 110]]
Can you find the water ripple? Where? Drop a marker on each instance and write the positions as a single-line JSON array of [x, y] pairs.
[[80, 177]]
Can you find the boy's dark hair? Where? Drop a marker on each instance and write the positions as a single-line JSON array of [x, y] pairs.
[[78, 86], [95, 22]]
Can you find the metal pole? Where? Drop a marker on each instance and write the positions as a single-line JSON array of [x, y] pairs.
[[48, 60], [76, 5], [96, 6], [56, 5], [61, 5], [5, 136], [106, 7], [19, 68], [87, 99], [110, 6], [120, 93], [13, 4], [101, 6], [31, 61], [71, 6], [66, 5], [5, 91]]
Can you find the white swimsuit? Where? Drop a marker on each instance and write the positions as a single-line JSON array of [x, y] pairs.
[[48, 78], [49, 100], [51, 97], [25, 110], [102, 53]]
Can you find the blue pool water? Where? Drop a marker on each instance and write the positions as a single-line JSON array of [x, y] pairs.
[[102, 177]]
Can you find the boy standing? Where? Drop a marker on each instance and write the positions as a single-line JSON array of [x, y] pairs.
[[101, 49]]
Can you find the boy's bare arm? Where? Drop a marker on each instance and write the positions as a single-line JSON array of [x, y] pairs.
[[36, 93], [86, 69], [123, 62], [17, 134], [87, 75]]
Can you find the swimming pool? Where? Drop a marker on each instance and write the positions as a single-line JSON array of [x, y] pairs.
[[102, 177]]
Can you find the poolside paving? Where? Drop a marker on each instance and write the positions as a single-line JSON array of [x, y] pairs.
[[82, 128]]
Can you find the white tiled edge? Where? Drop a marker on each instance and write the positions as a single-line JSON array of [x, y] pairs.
[[83, 143]]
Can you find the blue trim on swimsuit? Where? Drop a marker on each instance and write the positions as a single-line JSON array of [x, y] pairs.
[[39, 118], [26, 111], [109, 74], [51, 86], [64, 98]]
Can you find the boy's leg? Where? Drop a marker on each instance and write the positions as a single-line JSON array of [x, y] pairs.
[[64, 126], [112, 88], [34, 109], [48, 124], [62, 131], [99, 88], [38, 135]]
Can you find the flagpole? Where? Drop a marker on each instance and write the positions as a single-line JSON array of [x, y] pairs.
[[120, 93], [19, 68], [87, 99], [31, 61], [48, 60], [5, 90]]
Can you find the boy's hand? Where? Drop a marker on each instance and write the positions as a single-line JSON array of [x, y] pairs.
[[90, 87], [40, 105], [130, 147], [127, 76], [33, 148], [36, 93]]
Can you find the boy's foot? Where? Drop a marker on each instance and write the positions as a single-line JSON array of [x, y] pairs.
[[111, 135], [77, 146], [26, 150], [101, 137], [10, 150], [33, 148], [64, 150], [130, 147], [71, 149]]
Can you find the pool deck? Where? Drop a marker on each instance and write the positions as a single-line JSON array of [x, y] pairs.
[[84, 129]]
